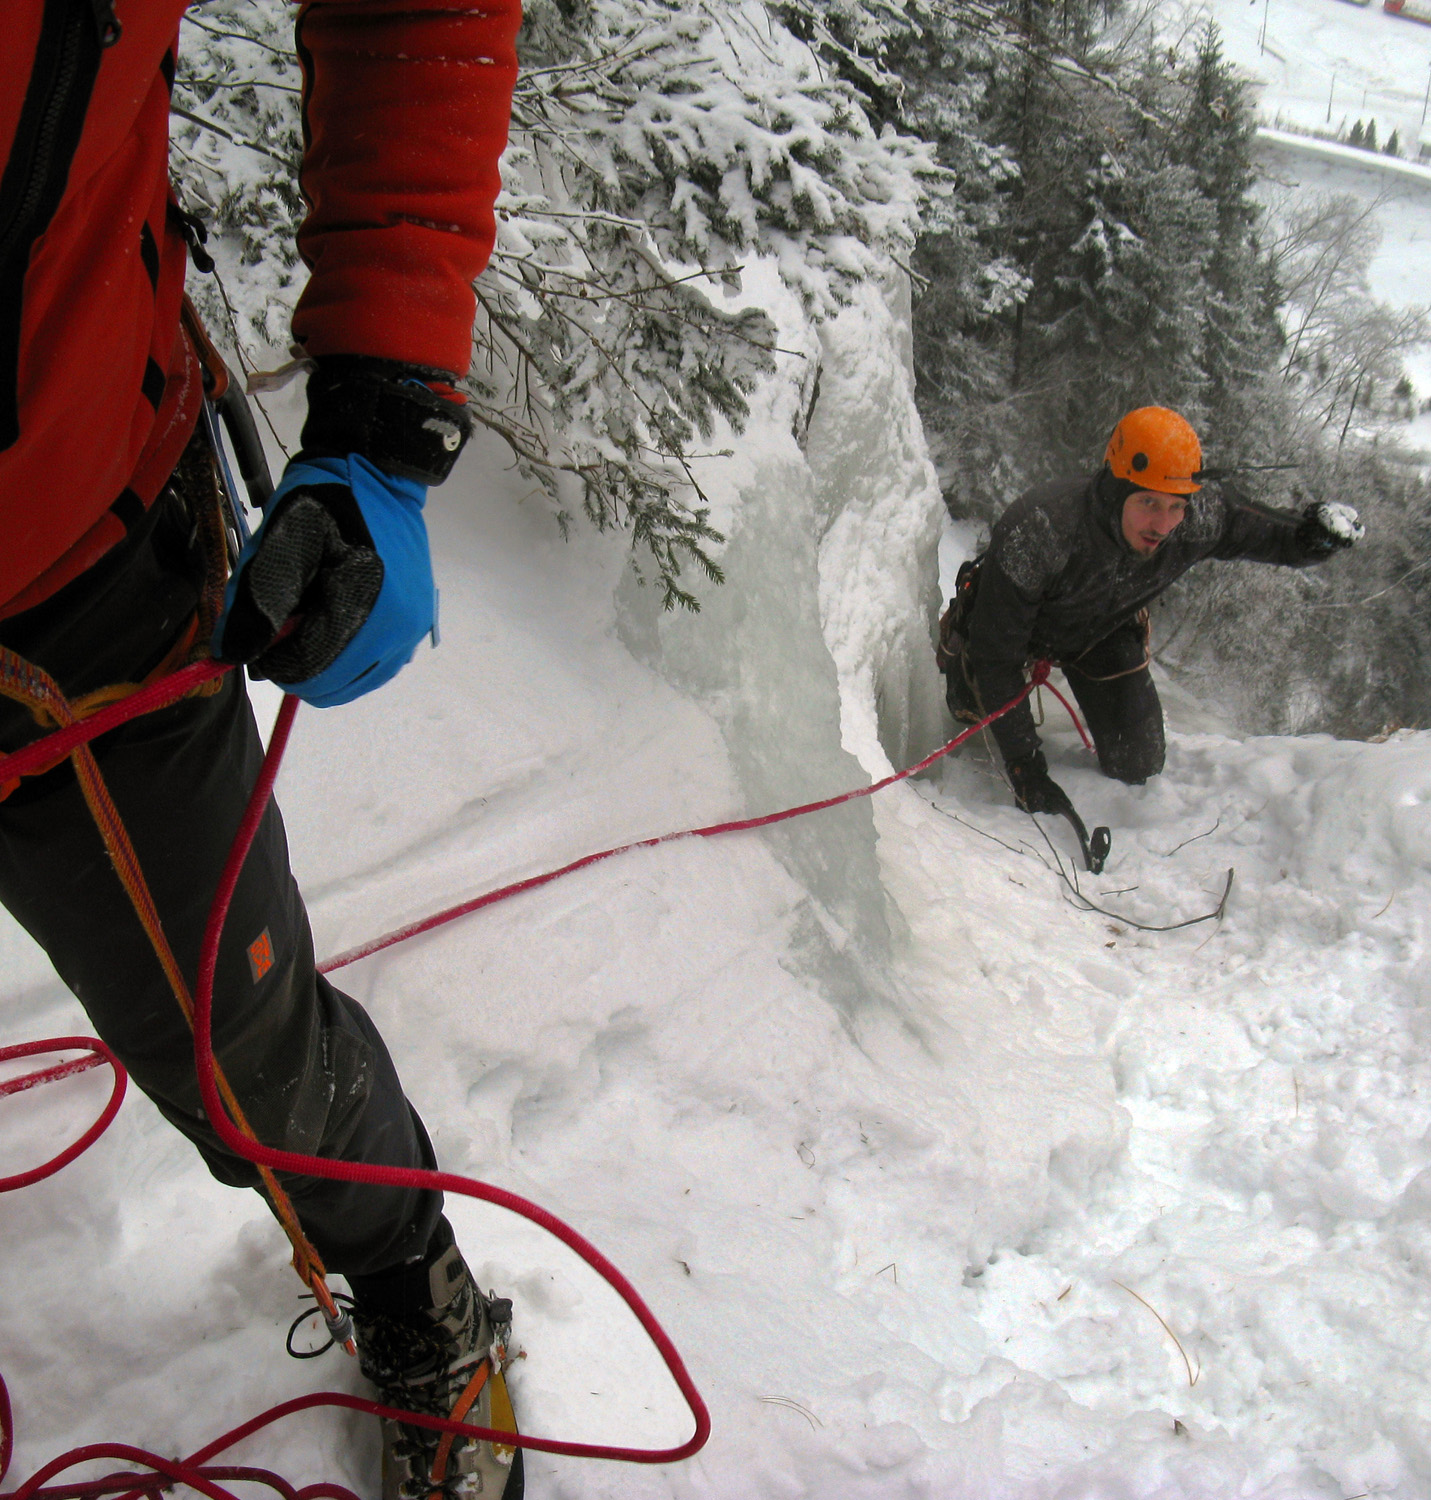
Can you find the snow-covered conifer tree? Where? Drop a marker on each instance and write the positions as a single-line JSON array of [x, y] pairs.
[[1214, 135], [236, 141], [655, 149]]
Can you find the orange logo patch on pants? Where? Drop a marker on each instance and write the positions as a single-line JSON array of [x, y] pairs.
[[260, 955]]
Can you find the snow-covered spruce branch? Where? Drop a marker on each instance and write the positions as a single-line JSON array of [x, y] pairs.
[[590, 411], [224, 133], [655, 151]]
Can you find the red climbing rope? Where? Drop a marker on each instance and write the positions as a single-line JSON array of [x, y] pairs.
[[196, 1471], [1072, 712], [97, 1054], [53, 748], [1037, 678]]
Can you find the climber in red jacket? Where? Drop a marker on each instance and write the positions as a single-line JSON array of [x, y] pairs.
[[102, 469]]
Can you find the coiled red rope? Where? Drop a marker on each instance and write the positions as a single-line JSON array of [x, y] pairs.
[[195, 1471]]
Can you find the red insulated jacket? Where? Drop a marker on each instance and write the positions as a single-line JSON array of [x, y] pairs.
[[406, 106]]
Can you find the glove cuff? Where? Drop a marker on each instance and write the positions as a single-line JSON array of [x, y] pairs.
[[388, 412]]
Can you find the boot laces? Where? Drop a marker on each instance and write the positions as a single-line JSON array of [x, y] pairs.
[[425, 1366]]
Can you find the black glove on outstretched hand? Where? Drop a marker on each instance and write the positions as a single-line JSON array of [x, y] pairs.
[[1034, 789], [1328, 527]]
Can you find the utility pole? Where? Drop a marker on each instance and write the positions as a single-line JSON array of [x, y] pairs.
[[1262, 37], [1330, 92], [1427, 99]]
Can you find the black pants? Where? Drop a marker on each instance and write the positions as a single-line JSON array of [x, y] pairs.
[[1115, 690], [305, 1061]]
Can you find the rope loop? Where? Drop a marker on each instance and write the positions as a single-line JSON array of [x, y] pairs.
[[97, 1055]]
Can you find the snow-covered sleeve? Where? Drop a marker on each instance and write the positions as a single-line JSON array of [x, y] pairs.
[[1259, 533], [1021, 563], [406, 105]]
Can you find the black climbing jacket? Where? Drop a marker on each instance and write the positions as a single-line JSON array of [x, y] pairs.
[[1058, 577]]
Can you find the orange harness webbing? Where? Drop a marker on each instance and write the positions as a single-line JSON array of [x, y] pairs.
[[24, 683], [28, 684]]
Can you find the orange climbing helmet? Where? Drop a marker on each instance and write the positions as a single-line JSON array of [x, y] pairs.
[[1155, 449]]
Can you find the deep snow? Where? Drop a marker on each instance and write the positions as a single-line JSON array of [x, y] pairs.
[[893, 1138]]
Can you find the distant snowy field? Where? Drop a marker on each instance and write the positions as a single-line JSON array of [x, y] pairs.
[[1329, 58], [945, 1189]]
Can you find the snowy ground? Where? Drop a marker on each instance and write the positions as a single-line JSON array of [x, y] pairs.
[[891, 1136], [943, 1187], [1323, 64]]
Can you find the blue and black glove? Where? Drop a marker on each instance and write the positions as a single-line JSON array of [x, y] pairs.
[[334, 592]]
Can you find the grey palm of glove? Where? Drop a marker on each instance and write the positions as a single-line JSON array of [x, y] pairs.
[[1034, 789], [317, 565]]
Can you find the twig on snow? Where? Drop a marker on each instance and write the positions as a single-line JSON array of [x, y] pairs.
[[1215, 915], [1192, 1378], [1218, 912], [982, 834], [1117, 916], [1193, 839], [790, 1405]]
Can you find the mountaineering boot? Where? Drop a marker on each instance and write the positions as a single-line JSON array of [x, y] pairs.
[[427, 1361]]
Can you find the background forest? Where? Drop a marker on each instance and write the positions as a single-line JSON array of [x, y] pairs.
[[1073, 191]]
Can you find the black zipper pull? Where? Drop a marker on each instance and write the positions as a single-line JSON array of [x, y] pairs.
[[106, 22]]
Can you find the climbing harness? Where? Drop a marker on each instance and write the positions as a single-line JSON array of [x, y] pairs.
[[1143, 620], [199, 485]]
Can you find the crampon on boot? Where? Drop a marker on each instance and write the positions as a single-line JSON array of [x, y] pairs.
[[446, 1361]]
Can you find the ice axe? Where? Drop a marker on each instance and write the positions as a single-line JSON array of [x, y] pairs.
[[1095, 847]]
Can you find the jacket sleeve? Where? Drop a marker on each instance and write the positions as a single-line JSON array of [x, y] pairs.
[[406, 105], [1258, 533], [1000, 632]]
